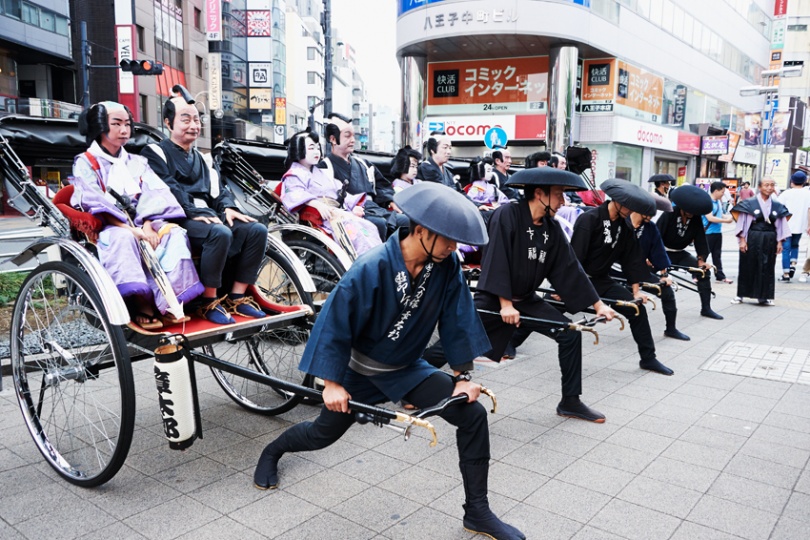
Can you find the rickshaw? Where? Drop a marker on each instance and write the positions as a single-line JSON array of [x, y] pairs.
[[72, 341]]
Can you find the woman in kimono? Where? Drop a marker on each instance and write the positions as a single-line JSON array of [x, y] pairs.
[[305, 185], [107, 167], [761, 227], [404, 168]]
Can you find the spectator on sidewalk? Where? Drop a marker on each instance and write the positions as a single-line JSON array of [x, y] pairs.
[[713, 223], [745, 192], [761, 228], [797, 201]]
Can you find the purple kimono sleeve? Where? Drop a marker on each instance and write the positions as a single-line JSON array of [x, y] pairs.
[[87, 193], [156, 201]]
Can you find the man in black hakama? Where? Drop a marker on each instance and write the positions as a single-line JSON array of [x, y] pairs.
[[528, 246], [603, 237], [683, 226], [761, 228], [358, 176]]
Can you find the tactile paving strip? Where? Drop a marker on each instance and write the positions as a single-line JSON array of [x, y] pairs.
[[761, 361]]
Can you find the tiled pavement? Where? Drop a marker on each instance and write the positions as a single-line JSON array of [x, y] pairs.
[[700, 455]]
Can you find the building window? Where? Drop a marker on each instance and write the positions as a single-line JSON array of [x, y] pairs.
[[140, 35], [311, 77], [13, 8], [62, 26], [311, 102], [198, 19], [797, 28], [47, 21], [144, 109], [311, 52], [30, 14], [200, 67]]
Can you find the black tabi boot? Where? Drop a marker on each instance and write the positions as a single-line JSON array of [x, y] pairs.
[[656, 366], [478, 518], [266, 474], [706, 304], [572, 407], [671, 331]]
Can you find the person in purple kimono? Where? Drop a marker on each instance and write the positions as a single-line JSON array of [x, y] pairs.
[[761, 227], [305, 185], [106, 167], [482, 190], [404, 168]]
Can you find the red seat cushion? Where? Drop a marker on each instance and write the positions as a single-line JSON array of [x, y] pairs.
[[82, 222]]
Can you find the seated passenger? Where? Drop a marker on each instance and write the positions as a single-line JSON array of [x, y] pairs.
[[404, 168], [107, 167], [225, 237], [483, 191], [304, 184]]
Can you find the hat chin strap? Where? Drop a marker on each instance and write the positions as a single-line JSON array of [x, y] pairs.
[[430, 256]]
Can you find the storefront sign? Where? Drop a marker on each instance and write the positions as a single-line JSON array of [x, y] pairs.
[[281, 111], [261, 99], [475, 128], [123, 38], [214, 81], [640, 91], [688, 143], [598, 85], [630, 131], [715, 145], [674, 104], [780, 8], [746, 154], [213, 20], [733, 142], [261, 74], [777, 166], [497, 85], [407, 5]]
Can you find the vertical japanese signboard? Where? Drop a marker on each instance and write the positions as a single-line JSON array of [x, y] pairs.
[[499, 85], [213, 20], [598, 85], [640, 92]]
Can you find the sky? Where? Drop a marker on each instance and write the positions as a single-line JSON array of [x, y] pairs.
[[370, 27]]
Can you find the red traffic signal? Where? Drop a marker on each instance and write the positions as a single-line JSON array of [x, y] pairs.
[[142, 67]]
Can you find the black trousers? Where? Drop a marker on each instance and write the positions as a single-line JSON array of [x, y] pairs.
[[639, 324], [715, 242], [470, 419], [242, 247], [569, 343]]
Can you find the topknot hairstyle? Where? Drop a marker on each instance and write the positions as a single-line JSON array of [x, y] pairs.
[[297, 147], [402, 161], [94, 122], [478, 168], [333, 130]]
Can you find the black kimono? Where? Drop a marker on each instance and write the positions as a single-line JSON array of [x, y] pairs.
[[598, 243], [509, 191], [200, 195], [677, 233], [762, 233], [519, 256], [430, 172], [379, 193]]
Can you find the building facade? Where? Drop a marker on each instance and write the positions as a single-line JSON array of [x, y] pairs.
[[641, 83]]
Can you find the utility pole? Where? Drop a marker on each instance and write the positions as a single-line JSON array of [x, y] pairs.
[[326, 26], [84, 67]]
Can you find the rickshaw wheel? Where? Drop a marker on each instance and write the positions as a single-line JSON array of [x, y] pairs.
[[72, 375], [325, 269], [275, 352]]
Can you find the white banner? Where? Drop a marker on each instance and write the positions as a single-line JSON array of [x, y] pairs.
[[214, 81], [123, 38]]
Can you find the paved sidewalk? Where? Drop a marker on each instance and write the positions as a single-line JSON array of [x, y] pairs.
[[700, 455]]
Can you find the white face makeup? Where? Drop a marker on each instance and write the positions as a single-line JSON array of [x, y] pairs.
[[313, 154]]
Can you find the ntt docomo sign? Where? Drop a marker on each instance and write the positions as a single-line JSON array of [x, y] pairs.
[[637, 133], [473, 128]]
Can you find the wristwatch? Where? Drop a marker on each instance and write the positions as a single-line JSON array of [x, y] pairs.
[[463, 376]]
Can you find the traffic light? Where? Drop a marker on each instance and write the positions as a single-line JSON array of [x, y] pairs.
[[142, 67]]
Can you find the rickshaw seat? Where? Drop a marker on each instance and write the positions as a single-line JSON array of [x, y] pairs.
[[81, 222]]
